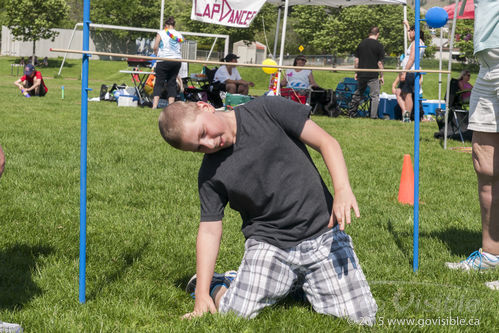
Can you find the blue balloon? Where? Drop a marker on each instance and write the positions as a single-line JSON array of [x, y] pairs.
[[436, 17]]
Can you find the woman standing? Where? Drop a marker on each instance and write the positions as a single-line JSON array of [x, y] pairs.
[[167, 45], [407, 79]]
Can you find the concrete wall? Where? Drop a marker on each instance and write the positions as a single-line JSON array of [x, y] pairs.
[[102, 41]]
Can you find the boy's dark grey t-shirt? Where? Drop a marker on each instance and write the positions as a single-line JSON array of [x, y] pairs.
[[267, 176]]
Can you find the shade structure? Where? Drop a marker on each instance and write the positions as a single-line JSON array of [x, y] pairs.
[[339, 3], [469, 10]]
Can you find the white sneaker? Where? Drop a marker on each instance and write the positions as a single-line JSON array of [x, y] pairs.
[[10, 328], [494, 285], [477, 261]]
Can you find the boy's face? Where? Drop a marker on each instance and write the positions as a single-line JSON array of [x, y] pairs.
[[209, 132]]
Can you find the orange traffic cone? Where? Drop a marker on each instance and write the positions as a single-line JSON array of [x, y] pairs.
[[406, 188]]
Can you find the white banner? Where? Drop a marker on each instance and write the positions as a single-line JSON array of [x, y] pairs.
[[233, 13]]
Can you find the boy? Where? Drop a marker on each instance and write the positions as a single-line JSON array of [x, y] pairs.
[[31, 83], [256, 159]]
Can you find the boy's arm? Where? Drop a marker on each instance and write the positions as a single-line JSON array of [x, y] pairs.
[[344, 199], [207, 245], [18, 84]]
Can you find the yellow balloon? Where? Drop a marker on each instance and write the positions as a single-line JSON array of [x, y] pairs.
[[269, 70]]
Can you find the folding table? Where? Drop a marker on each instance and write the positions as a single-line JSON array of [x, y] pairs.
[[139, 86]]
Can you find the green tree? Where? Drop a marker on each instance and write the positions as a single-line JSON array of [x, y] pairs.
[[464, 40], [328, 30], [3, 13], [32, 20], [136, 13], [131, 13]]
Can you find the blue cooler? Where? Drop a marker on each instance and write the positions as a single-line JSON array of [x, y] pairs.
[[386, 107], [430, 106]]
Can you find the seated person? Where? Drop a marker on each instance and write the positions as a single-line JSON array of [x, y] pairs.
[[31, 83], [465, 86], [299, 78], [229, 76]]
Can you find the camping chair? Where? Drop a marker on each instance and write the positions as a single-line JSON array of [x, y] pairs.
[[457, 121], [301, 96], [201, 87], [197, 87], [457, 107], [344, 93], [323, 101]]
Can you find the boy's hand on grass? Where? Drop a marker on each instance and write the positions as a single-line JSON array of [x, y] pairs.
[[202, 305], [344, 202]]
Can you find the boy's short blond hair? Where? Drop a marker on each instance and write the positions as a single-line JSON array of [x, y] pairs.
[[172, 120]]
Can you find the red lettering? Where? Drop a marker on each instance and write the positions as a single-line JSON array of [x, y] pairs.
[[237, 16], [207, 11], [231, 19], [241, 17], [216, 9], [249, 17], [227, 9]]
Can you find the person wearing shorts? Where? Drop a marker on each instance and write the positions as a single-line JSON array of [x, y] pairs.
[[167, 45], [484, 122], [406, 85], [256, 159]]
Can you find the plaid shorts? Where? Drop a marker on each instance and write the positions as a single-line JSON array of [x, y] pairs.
[[326, 267]]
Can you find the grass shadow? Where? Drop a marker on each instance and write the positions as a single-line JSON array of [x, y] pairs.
[[460, 242], [400, 242], [130, 256], [16, 266]]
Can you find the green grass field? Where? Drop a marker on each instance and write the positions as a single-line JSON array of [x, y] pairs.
[[143, 213]]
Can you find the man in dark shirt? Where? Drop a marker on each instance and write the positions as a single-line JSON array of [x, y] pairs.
[[369, 55], [257, 161]]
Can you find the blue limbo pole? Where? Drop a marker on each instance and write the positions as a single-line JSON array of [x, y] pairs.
[[83, 149], [415, 238]]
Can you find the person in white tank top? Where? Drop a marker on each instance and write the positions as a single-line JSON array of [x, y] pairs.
[[167, 45], [299, 78], [406, 91]]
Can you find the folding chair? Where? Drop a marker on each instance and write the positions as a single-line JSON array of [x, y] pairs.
[[344, 93], [458, 107], [301, 96]]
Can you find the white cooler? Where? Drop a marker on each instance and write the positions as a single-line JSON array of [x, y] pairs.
[[126, 101]]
